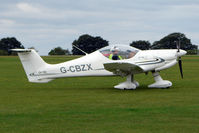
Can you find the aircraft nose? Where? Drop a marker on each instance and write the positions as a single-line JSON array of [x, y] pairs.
[[182, 52]]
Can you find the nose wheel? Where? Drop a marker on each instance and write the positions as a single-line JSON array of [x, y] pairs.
[[159, 82], [129, 84]]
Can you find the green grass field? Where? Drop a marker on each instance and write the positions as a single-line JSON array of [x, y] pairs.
[[92, 105]]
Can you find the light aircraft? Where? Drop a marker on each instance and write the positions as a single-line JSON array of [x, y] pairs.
[[130, 61]]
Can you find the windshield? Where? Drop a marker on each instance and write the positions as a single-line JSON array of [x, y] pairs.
[[119, 52]]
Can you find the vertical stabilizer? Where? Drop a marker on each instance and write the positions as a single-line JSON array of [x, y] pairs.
[[32, 64]]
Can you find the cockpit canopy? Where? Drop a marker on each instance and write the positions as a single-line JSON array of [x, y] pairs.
[[122, 51]]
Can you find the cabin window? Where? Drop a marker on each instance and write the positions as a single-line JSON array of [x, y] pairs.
[[119, 52]]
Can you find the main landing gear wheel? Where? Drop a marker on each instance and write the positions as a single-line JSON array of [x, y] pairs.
[[129, 84]]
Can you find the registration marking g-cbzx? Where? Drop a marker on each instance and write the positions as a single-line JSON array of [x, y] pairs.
[[76, 68]]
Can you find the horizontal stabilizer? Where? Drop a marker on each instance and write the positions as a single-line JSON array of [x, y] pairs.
[[21, 50]]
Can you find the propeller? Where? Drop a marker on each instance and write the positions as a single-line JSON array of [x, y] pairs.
[[179, 58]]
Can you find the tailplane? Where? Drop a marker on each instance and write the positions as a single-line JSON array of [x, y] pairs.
[[32, 64]]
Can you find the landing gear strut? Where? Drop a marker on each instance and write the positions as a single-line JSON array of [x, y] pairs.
[[159, 82], [128, 84]]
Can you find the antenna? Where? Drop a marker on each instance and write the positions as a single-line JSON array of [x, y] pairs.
[[80, 50]]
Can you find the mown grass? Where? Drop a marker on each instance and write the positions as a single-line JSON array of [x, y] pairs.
[[92, 105]]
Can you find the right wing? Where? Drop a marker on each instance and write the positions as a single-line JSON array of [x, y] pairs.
[[123, 68]]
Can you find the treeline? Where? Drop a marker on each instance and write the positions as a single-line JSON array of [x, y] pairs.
[[90, 44], [9, 43]]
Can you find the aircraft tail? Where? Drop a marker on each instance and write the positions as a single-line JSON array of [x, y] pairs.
[[32, 64]]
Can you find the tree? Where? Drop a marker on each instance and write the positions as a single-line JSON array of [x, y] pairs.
[[59, 51], [9, 43], [141, 44], [169, 42], [3, 52], [88, 44]]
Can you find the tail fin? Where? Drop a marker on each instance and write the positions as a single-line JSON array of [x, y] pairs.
[[32, 63]]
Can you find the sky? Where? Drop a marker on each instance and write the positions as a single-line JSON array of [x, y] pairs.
[[50, 23]]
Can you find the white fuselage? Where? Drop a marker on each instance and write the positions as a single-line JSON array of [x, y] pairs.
[[92, 64], [108, 61]]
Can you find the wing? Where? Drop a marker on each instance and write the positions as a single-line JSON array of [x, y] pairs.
[[123, 68]]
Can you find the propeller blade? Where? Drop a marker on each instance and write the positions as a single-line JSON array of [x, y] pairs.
[[180, 66], [178, 45]]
